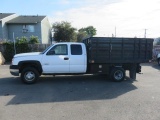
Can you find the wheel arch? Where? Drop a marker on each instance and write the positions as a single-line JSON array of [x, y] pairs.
[[30, 63]]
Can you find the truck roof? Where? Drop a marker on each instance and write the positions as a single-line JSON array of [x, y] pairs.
[[69, 43]]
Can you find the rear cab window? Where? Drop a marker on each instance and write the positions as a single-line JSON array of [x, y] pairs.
[[76, 49]]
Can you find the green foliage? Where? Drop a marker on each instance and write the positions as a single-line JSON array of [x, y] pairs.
[[156, 41], [90, 31], [33, 40], [21, 40], [81, 35], [64, 31], [21, 46], [8, 51]]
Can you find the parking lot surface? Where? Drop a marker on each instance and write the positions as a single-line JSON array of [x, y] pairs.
[[81, 97]]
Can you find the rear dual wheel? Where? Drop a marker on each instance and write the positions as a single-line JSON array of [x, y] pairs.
[[117, 74]]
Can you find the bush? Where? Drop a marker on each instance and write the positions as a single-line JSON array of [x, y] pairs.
[[8, 51], [22, 40], [33, 40], [21, 46]]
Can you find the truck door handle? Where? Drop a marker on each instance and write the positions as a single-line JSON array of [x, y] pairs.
[[66, 58]]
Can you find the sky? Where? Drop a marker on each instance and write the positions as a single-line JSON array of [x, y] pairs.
[[123, 18]]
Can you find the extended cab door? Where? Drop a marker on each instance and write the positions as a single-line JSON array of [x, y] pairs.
[[56, 60], [78, 58]]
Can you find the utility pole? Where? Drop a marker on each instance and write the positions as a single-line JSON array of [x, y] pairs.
[[145, 33], [14, 44]]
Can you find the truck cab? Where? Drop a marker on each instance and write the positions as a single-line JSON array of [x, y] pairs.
[[65, 58]]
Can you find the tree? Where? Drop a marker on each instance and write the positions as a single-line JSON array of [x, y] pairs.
[[33, 40], [81, 35], [89, 31], [156, 41], [64, 32]]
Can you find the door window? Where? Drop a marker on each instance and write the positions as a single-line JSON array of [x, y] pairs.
[[58, 50]]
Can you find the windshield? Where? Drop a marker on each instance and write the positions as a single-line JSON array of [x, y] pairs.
[[46, 49]]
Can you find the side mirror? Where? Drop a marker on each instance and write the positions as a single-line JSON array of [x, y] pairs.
[[51, 52]]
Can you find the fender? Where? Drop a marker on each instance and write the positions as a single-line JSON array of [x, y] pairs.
[[31, 63]]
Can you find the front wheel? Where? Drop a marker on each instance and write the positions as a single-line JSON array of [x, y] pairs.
[[29, 75], [117, 74]]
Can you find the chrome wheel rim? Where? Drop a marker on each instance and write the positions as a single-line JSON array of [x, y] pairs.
[[29, 76]]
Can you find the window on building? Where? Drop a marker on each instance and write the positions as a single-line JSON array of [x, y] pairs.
[[28, 28], [76, 50]]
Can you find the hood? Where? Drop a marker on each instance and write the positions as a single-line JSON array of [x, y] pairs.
[[27, 54]]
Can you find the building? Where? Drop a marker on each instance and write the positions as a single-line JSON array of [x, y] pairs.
[[4, 17], [27, 26]]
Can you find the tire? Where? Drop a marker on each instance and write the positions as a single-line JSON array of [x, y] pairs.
[[158, 61], [29, 75], [117, 74]]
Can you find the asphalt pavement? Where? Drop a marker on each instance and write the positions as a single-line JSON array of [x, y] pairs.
[[81, 97]]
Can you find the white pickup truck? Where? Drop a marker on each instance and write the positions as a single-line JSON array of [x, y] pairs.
[[102, 55]]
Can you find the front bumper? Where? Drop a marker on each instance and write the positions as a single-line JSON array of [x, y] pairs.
[[14, 70]]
